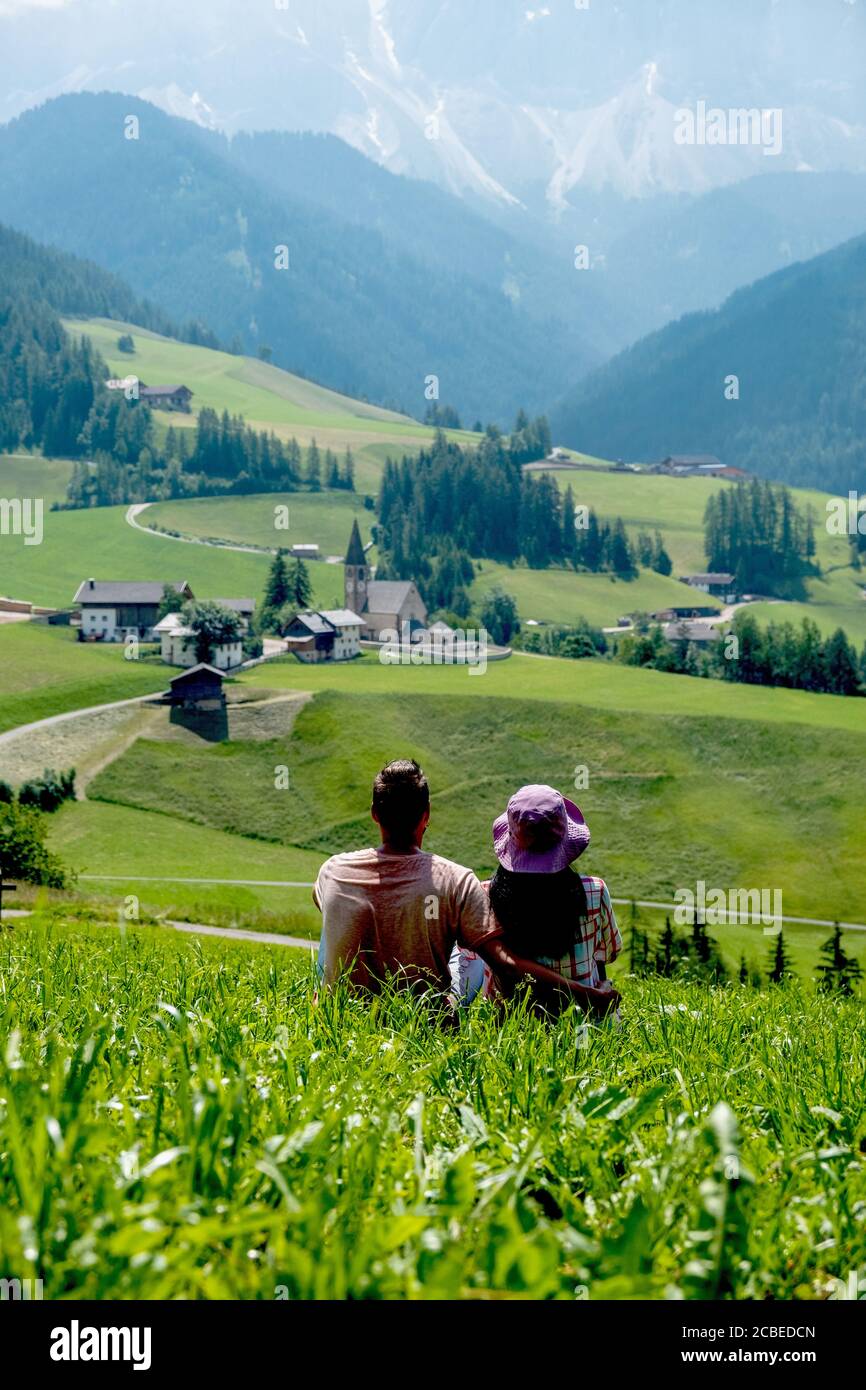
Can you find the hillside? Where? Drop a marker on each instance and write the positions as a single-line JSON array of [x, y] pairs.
[[191, 229], [647, 788], [268, 397], [645, 502], [797, 343]]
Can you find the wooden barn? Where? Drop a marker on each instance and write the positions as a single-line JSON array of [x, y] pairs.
[[199, 688]]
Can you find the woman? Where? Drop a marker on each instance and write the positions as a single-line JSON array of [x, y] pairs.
[[542, 909]]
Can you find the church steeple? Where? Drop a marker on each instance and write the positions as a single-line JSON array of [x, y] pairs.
[[355, 553], [357, 573]]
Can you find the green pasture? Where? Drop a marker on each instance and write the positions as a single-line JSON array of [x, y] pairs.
[[30, 475], [122, 852], [99, 544], [671, 800], [44, 671], [319, 518], [560, 596], [267, 396], [598, 684]]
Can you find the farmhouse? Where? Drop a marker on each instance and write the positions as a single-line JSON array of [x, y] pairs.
[[115, 611], [166, 397], [178, 646], [305, 552], [244, 607], [384, 605], [671, 615], [699, 466], [332, 635], [719, 585], [685, 465], [696, 634]]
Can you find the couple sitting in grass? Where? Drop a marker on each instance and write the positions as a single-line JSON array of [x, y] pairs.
[[399, 913]]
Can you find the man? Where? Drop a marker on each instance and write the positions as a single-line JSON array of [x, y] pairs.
[[397, 911]]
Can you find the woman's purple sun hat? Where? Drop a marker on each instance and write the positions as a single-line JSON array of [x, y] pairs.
[[542, 832]]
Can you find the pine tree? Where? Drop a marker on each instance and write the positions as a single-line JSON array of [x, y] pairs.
[[314, 467], [839, 972], [780, 962], [276, 591], [665, 965], [300, 588], [348, 479], [744, 970]]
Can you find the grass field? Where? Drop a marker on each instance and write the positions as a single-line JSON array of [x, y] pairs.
[[597, 684], [322, 518], [45, 671], [671, 800], [179, 1121], [561, 596], [30, 475], [122, 851], [99, 544]]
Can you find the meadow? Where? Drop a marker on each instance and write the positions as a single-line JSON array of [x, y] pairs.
[[99, 544], [44, 671], [318, 518], [180, 1121], [267, 397], [670, 800]]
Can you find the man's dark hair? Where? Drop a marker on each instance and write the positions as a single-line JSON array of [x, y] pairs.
[[400, 798]]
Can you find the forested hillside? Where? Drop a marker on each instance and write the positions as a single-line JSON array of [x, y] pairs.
[[48, 383], [171, 212], [795, 342]]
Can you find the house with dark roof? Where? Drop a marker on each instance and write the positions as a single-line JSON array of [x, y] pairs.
[[684, 465], [383, 605], [332, 635], [244, 607], [721, 586], [114, 611], [166, 397]]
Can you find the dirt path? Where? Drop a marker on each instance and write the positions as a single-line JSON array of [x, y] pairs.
[[38, 724], [295, 943]]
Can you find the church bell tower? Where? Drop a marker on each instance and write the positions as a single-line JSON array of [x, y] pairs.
[[357, 573]]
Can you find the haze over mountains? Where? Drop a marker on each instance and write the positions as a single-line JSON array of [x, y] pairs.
[[432, 167], [531, 101], [187, 226], [796, 343]]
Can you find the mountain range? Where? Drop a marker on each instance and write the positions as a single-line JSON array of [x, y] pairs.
[[512, 102], [264, 264], [774, 381]]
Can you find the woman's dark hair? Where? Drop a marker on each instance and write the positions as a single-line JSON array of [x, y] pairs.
[[400, 798], [538, 913]]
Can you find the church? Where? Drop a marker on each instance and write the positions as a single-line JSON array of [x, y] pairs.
[[383, 605]]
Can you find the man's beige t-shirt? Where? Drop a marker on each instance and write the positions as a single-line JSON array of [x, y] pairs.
[[397, 914]]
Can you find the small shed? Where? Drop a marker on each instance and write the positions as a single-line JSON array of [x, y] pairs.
[[199, 688]]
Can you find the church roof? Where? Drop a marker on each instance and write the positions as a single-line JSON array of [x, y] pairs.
[[387, 595], [355, 553]]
